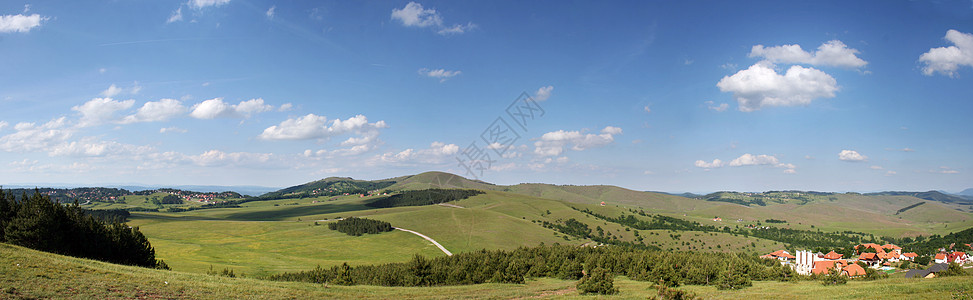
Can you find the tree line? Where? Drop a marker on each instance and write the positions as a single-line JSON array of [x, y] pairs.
[[39, 223], [358, 226], [726, 271], [423, 197]]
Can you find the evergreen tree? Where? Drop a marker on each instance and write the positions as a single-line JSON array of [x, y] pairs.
[[598, 281]]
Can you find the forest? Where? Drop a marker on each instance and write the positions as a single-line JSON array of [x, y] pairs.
[[358, 226], [423, 197], [726, 271], [39, 223]]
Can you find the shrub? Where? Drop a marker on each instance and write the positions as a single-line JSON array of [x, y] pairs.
[[598, 281]]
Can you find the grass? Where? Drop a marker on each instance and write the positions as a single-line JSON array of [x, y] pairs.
[[31, 274], [264, 248]]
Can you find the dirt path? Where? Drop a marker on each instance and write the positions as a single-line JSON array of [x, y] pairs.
[[450, 205], [428, 239]]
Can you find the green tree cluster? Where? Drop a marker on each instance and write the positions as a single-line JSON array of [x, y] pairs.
[[39, 223], [358, 226], [423, 197]]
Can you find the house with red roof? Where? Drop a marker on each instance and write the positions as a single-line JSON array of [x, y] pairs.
[[940, 258], [853, 271], [781, 255], [909, 256], [833, 255], [957, 257]]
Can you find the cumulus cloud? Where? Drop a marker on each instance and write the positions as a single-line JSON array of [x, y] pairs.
[[760, 86], [414, 15], [946, 60], [441, 74], [553, 143], [100, 110], [851, 155], [20, 22], [313, 126], [437, 153], [748, 159], [90, 146], [543, 93], [156, 111], [30, 137], [285, 107], [198, 4], [831, 53], [216, 108]]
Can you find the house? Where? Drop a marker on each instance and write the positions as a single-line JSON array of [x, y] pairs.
[[927, 273], [957, 257], [940, 258], [869, 258], [853, 271], [909, 256], [833, 255], [781, 255], [717, 219]]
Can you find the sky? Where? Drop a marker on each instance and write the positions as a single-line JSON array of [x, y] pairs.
[[676, 96]]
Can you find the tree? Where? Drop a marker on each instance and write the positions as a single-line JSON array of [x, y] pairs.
[[834, 277], [597, 281]]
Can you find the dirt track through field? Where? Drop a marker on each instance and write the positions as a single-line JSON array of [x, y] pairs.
[[434, 242]]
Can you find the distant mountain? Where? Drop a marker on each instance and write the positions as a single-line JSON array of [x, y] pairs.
[[330, 186], [930, 195], [967, 192]]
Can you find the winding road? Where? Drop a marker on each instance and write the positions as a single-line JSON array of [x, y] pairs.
[[428, 239]]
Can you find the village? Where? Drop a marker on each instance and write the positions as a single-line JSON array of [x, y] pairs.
[[886, 258]]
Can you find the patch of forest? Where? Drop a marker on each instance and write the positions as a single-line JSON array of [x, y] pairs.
[[904, 209], [39, 223], [358, 226], [327, 188], [423, 197], [726, 271]]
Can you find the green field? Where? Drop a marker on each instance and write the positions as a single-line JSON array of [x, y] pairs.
[[32, 274]]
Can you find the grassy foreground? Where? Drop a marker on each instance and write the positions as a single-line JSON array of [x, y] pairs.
[[33, 274]]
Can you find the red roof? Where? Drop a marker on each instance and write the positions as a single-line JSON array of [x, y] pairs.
[[890, 246], [853, 270], [779, 253], [823, 266], [867, 256], [940, 255], [832, 255], [910, 254]]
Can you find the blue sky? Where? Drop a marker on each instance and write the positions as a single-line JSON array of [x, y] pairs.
[[667, 96]]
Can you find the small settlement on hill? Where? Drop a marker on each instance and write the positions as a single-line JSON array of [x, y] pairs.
[[875, 256]]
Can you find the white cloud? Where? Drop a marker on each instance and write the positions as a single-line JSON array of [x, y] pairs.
[[156, 111], [748, 159], [553, 143], [876, 168], [946, 60], [457, 29], [851, 155], [945, 170], [709, 165], [100, 110], [313, 126], [647, 109], [271, 12], [719, 108], [165, 130], [441, 74], [437, 153], [890, 173], [114, 90], [20, 22], [413, 15], [285, 107], [543, 93], [211, 109], [832, 53], [760, 86], [753, 160], [29, 137], [252, 106], [216, 108], [4, 124], [176, 16], [198, 4]]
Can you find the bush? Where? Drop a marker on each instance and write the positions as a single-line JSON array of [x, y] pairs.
[[598, 281], [834, 277]]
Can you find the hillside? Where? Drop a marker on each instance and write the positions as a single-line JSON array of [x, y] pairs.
[[31, 274]]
